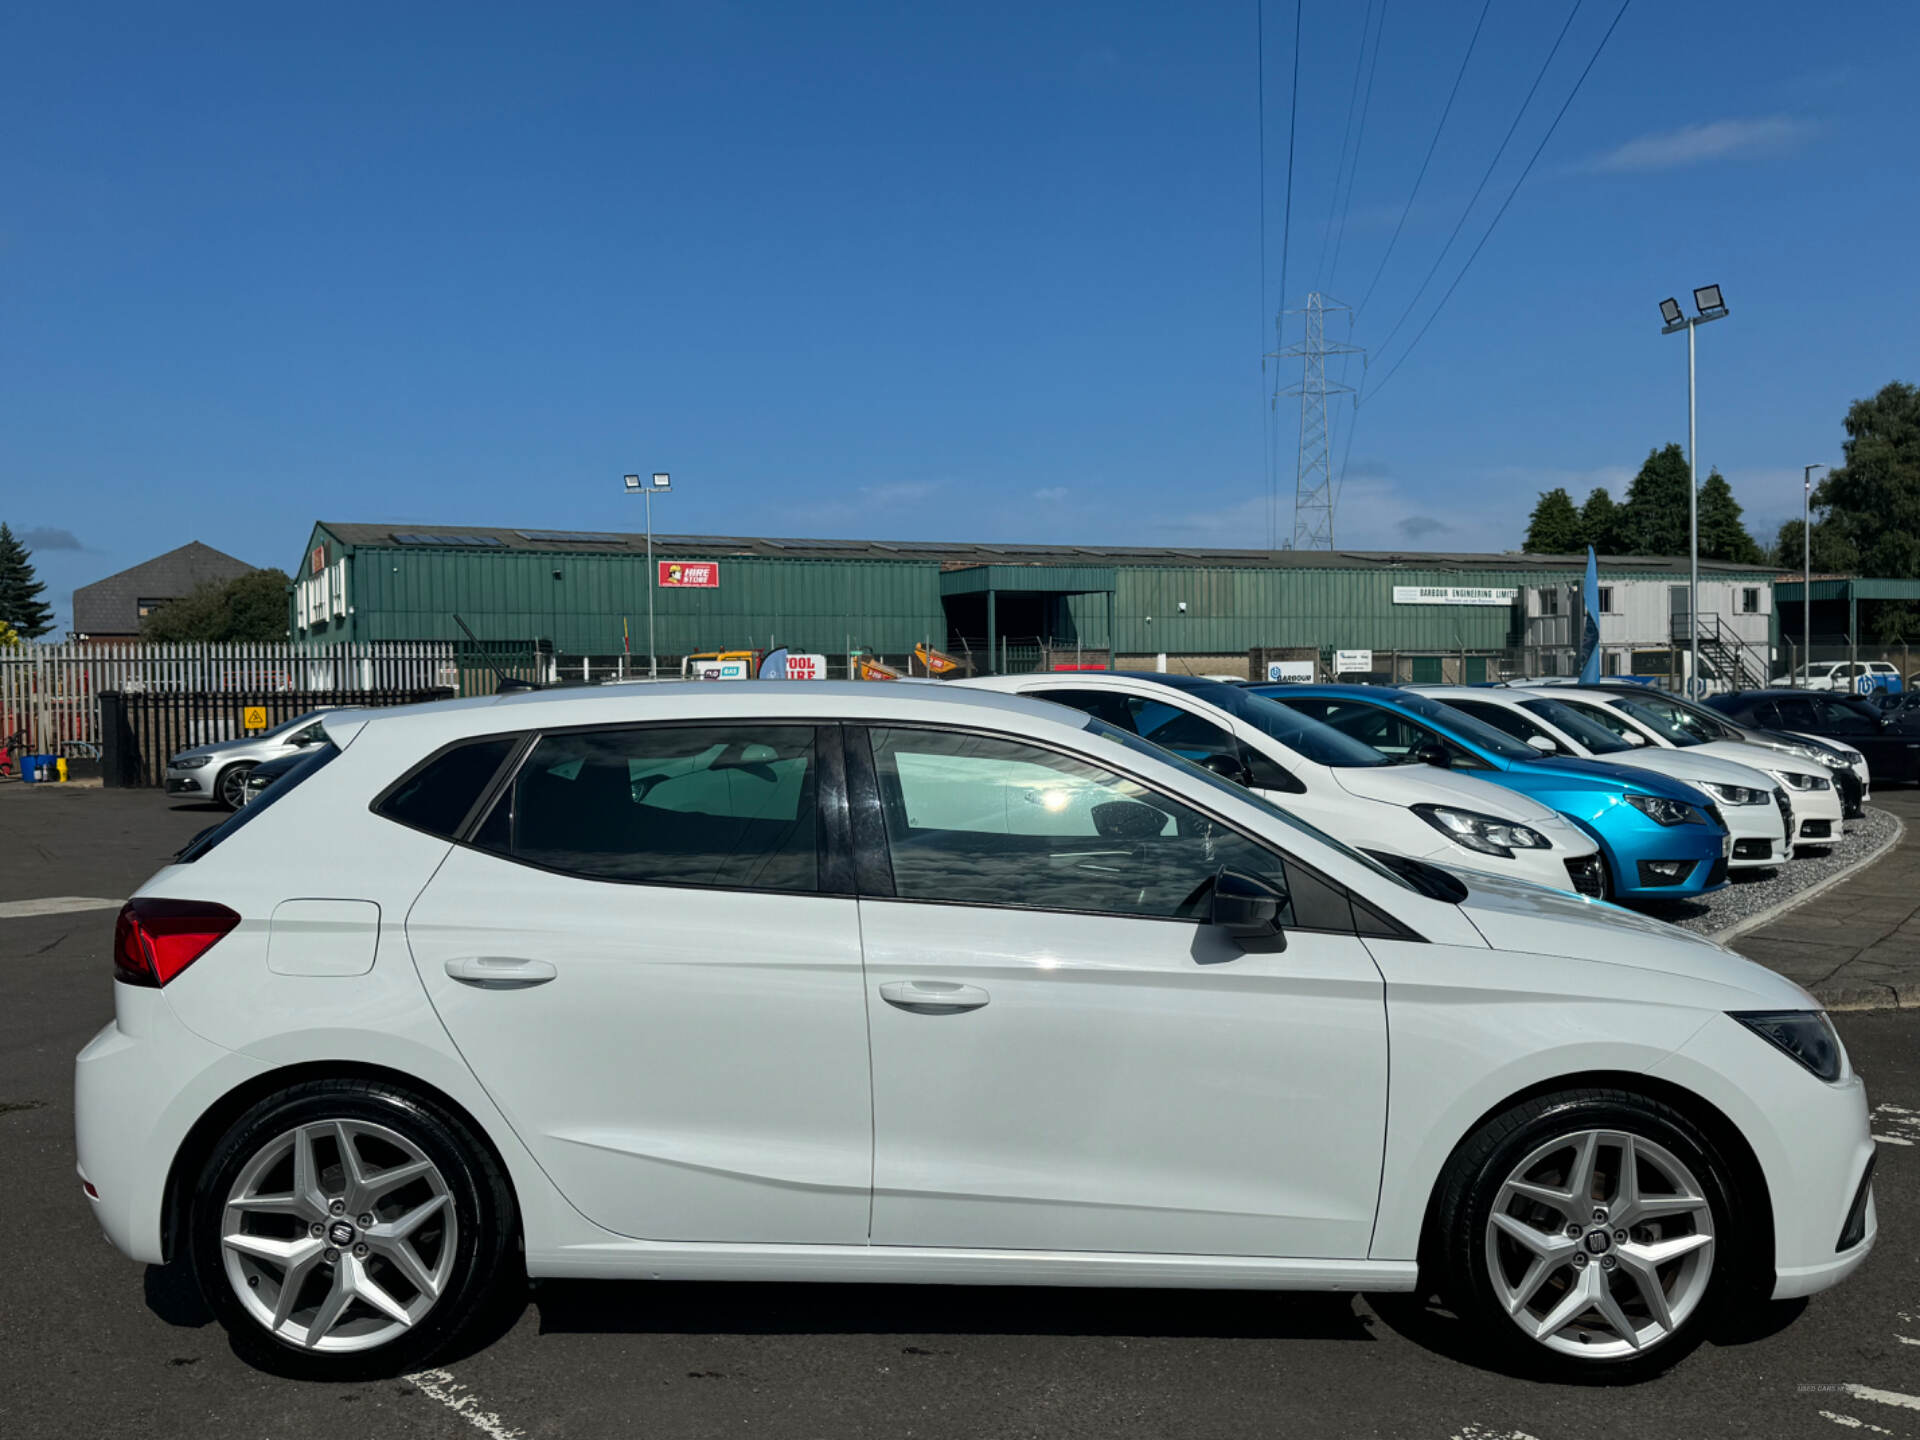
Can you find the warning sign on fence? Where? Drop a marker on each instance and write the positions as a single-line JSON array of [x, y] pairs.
[[254, 717]]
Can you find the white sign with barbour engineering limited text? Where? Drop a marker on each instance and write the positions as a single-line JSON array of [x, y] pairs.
[[1451, 595]]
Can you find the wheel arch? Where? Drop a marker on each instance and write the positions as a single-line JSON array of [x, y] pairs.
[[1748, 1176], [218, 1118]]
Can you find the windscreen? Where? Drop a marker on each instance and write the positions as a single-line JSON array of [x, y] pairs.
[[1311, 739], [1465, 726], [1670, 722], [1591, 734], [1241, 793]]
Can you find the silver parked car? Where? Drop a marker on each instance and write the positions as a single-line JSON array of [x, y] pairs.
[[218, 772]]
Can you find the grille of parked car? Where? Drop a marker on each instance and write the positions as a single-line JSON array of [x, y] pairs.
[[1786, 809], [1851, 794], [1585, 872]]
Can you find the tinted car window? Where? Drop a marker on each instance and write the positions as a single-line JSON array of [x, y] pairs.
[[1393, 733], [1682, 727], [723, 805], [438, 796], [1844, 717], [1575, 723], [1505, 719], [984, 821]]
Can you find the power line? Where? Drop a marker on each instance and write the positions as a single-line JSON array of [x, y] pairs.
[[1432, 145], [1260, 93], [1286, 235], [1359, 141], [1346, 134], [1592, 60], [1492, 165]]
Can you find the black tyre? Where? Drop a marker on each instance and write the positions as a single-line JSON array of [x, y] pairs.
[[348, 1228], [230, 789], [1589, 1235]]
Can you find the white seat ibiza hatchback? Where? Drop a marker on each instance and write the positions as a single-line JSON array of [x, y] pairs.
[[914, 983]]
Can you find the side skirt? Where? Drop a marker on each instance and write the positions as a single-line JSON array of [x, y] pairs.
[[904, 1265]]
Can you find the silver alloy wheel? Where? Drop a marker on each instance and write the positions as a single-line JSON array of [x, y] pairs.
[[233, 786], [339, 1235], [1600, 1244]]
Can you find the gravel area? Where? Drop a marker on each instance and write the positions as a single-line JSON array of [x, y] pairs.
[[1755, 890]]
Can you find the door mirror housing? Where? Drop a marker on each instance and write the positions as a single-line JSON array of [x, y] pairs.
[[1431, 752], [1248, 909], [1635, 738], [1544, 745], [1228, 767]]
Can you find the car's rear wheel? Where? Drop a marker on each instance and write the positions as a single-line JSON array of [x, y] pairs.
[[231, 788], [348, 1227], [1589, 1234]]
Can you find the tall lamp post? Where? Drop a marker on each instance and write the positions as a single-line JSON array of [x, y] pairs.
[[1806, 563], [659, 483], [1707, 301]]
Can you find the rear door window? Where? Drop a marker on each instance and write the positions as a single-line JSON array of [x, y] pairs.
[[731, 806]]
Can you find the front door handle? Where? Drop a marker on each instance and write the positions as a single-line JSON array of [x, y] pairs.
[[932, 997], [500, 972]]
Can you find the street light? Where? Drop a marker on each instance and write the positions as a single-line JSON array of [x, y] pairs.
[[1707, 300], [1806, 563], [659, 483]]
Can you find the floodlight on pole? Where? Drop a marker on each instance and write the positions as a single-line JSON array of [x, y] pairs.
[[662, 484], [1708, 301]]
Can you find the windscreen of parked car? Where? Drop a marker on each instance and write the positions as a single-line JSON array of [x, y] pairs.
[[1168, 726], [1670, 722], [1244, 796], [1595, 737], [720, 805]]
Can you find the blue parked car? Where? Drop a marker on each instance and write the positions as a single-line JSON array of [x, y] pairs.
[[1660, 839]]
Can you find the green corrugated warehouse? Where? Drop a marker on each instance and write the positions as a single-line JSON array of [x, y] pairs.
[[571, 593]]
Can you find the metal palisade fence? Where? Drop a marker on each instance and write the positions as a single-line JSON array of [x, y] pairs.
[[49, 694]]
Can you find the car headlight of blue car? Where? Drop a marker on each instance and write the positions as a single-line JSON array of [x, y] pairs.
[[1662, 811]]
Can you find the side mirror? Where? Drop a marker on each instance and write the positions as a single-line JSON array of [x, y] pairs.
[[1227, 767], [1248, 909], [1543, 744], [1635, 738], [1429, 752]]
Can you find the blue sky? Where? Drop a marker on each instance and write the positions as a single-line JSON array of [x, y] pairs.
[[975, 271]]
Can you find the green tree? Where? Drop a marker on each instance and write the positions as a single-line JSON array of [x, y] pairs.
[[1600, 522], [1833, 553], [20, 602], [1723, 534], [251, 607], [1874, 498], [1654, 518], [1554, 528]]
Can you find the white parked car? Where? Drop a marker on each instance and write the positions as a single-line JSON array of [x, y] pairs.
[[1858, 677], [1347, 788], [912, 983], [1755, 806], [1656, 719]]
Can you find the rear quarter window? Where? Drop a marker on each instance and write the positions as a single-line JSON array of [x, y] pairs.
[[438, 795]]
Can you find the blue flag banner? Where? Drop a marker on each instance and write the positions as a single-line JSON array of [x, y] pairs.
[[1590, 627], [774, 667]]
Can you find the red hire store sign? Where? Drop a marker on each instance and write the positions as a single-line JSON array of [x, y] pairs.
[[689, 575]]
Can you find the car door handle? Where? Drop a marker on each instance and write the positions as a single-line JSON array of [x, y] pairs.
[[932, 997], [500, 972]]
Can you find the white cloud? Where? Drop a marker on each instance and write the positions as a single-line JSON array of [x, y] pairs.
[[1695, 144], [1052, 494], [898, 492]]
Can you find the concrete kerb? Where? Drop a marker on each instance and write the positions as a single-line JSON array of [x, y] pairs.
[[1837, 997]]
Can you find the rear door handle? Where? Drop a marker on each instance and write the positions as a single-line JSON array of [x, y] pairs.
[[500, 972], [932, 997]]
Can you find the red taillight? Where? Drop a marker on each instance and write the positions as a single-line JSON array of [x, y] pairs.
[[156, 939]]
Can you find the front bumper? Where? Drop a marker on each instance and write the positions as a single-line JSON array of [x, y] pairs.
[[189, 782], [1812, 1141], [1759, 836]]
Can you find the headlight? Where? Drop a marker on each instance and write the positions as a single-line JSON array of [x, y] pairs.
[[1736, 794], [1488, 834], [1798, 780], [1807, 1035], [188, 762], [1663, 811]]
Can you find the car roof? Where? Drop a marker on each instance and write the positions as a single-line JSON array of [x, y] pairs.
[[695, 700]]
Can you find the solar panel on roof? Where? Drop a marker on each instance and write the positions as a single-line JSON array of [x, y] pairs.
[[417, 537], [577, 537], [923, 547], [813, 544]]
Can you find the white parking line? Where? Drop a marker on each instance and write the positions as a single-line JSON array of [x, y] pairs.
[[1884, 1397], [1902, 1125], [459, 1398], [1852, 1424], [55, 905]]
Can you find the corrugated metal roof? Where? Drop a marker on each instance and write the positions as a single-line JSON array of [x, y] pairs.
[[482, 537]]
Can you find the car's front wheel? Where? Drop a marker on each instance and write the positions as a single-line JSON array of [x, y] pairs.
[[231, 788], [349, 1227], [1591, 1233]]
